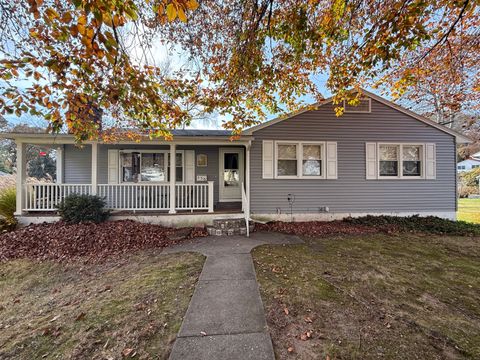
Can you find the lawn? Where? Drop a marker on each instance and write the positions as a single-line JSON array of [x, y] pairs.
[[373, 296], [130, 306], [469, 210]]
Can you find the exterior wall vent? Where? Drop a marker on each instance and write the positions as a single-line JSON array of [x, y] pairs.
[[365, 106]]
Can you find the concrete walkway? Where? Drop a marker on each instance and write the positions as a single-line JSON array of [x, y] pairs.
[[225, 319]]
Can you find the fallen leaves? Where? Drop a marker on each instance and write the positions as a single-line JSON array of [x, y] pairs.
[[80, 316], [306, 335], [92, 242], [315, 229], [128, 352]]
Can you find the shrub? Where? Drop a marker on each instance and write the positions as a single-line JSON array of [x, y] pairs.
[[8, 204], [7, 225], [428, 224], [466, 191], [469, 178], [76, 208]]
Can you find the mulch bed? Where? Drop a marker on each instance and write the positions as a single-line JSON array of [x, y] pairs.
[[318, 228], [89, 241]]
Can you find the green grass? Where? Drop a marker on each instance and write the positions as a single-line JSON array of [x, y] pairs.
[[469, 210], [49, 310], [377, 296]]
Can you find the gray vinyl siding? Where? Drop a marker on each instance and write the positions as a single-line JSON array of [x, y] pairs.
[[78, 162], [351, 192]]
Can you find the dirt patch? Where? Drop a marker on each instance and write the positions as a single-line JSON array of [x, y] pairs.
[[89, 241], [128, 305]]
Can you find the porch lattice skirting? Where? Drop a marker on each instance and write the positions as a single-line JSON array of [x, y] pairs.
[[47, 196]]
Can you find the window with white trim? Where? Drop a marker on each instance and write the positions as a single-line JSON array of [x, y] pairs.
[[149, 166], [400, 160], [287, 164], [411, 160], [312, 160], [299, 159]]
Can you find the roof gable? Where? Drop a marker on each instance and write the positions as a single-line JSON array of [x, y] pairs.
[[460, 138]]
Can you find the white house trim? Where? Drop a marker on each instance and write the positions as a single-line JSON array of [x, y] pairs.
[[299, 159], [400, 175], [21, 172], [173, 176], [94, 180], [59, 164]]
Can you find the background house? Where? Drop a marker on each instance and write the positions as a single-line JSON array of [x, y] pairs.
[[472, 162]]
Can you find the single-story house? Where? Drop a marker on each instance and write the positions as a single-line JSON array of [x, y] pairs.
[[469, 164], [378, 158]]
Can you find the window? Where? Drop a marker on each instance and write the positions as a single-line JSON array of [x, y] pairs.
[[474, 166], [231, 173], [400, 160], [299, 160], [178, 167], [130, 165], [149, 166], [287, 160], [152, 167], [389, 160], [411, 164], [312, 160]]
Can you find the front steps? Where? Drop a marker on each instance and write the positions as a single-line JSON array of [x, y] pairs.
[[227, 227]]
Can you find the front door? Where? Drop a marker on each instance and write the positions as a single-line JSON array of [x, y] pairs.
[[231, 174]]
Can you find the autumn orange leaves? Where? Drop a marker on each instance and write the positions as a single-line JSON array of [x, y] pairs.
[[246, 60]]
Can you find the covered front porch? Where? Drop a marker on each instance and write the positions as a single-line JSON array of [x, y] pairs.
[[151, 178]]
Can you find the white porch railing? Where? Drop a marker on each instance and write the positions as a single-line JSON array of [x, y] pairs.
[[47, 196], [192, 196], [135, 196]]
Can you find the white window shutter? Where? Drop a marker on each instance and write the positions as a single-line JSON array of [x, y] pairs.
[[267, 159], [371, 161], [332, 160], [430, 161], [189, 166], [113, 166]]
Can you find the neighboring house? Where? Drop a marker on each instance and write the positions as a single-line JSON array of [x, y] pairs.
[[377, 158], [471, 163]]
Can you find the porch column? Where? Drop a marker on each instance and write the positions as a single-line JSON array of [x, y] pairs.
[[59, 164], [94, 167], [21, 171], [173, 176], [247, 173]]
